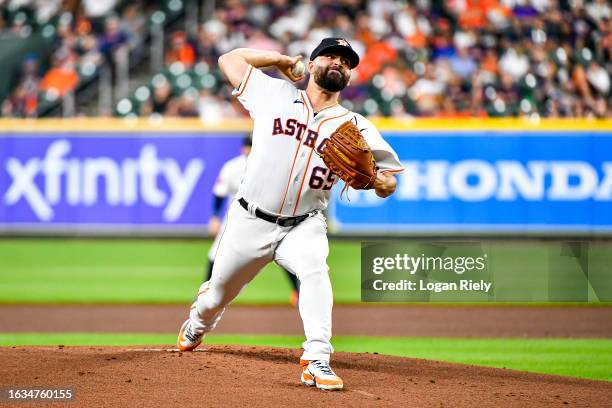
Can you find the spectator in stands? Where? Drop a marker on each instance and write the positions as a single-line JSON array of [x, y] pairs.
[[208, 47], [428, 91], [260, 41], [23, 101], [162, 94], [599, 10], [185, 105], [88, 51], [97, 12], [114, 47], [180, 50], [112, 39], [463, 64], [62, 77], [425, 58], [599, 79], [133, 20]]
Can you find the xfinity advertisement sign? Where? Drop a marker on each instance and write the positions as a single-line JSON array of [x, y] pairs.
[[492, 182], [454, 182], [116, 179], [76, 182]]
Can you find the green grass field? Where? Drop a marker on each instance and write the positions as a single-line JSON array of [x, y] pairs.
[[584, 358], [140, 271], [170, 271]]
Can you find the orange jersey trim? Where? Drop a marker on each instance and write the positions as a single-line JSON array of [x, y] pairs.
[[309, 157], [246, 81], [393, 171], [280, 211]]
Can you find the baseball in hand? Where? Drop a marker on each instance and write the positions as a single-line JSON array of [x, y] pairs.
[[298, 69]]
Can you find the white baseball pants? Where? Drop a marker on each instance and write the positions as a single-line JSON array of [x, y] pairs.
[[247, 244], [213, 248]]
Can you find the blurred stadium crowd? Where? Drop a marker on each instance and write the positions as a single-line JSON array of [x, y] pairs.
[[544, 58]]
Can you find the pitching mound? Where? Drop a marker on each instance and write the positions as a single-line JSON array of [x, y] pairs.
[[263, 377]]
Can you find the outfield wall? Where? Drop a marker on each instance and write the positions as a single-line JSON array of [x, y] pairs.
[[502, 177]]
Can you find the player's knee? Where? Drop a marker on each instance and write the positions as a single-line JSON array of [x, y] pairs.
[[314, 275], [210, 303]]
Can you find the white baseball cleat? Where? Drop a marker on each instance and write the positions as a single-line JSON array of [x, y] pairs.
[[188, 337], [319, 373]]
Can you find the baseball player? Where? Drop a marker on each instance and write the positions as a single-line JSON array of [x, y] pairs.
[[277, 215], [226, 185]]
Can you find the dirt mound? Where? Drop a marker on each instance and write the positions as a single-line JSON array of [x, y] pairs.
[[263, 377]]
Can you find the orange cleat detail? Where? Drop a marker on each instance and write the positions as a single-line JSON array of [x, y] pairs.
[[318, 373], [294, 298], [188, 339]]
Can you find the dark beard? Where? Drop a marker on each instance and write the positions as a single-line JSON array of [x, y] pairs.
[[330, 81]]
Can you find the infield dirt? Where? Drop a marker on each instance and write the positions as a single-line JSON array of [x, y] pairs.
[[263, 377], [219, 376], [350, 320]]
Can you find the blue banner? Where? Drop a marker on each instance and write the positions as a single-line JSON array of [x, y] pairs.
[[110, 179], [494, 181]]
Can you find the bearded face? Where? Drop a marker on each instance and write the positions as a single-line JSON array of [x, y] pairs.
[[332, 78]]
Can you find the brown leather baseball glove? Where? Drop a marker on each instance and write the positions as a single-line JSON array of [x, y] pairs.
[[348, 155]]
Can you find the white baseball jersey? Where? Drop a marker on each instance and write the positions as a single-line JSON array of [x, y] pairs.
[[286, 175], [226, 185], [230, 176]]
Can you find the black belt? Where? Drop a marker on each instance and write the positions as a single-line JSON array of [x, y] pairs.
[[275, 219]]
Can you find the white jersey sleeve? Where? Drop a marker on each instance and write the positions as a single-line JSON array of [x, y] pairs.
[[259, 92], [229, 177], [385, 156]]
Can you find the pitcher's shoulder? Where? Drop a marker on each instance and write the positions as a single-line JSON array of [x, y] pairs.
[[363, 123]]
